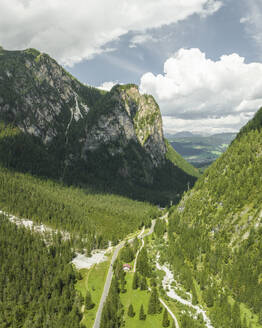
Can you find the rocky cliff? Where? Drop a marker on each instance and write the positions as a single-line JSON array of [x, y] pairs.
[[86, 133]]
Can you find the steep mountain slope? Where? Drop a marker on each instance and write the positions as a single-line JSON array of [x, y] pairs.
[[216, 232], [179, 161], [36, 281], [85, 135]]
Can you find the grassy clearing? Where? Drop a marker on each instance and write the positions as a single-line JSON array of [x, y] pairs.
[[94, 280], [136, 298]]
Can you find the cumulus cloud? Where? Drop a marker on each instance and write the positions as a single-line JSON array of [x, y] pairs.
[[73, 30], [199, 92], [107, 86]]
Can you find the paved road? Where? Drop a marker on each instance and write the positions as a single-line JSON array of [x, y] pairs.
[[107, 285], [110, 276], [110, 272]]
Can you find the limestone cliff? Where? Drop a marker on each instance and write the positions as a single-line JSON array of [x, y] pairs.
[[88, 133]]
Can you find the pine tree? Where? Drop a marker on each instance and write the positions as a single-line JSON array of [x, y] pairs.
[[135, 282], [165, 321], [142, 315], [153, 282], [194, 296], [173, 324], [143, 283], [88, 301], [131, 312], [209, 297], [143, 266], [123, 283], [127, 254], [154, 303]]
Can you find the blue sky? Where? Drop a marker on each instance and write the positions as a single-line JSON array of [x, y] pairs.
[[201, 59], [216, 35]]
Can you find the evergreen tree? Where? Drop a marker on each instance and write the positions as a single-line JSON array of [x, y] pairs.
[[142, 315], [135, 282], [143, 283], [194, 295], [127, 254], [209, 297], [122, 282], [153, 282], [160, 228], [154, 303], [143, 266], [130, 311], [135, 244], [165, 321], [111, 314], [88, 301]]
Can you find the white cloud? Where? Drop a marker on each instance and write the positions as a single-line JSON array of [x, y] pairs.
[[73, 30], [140, 39], [107, 86], [253, 20], [230, 123], [202, 93]]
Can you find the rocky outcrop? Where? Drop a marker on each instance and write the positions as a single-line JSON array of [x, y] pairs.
[[133, 117], [86, 133]]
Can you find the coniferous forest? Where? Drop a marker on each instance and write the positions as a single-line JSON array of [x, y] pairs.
[[36, 281], [215, 234], [75, 161]]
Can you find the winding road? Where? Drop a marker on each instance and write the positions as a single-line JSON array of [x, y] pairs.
[[111, 273]]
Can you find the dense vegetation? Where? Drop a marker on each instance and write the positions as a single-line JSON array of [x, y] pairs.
[[215, 234], [89, 216], [254, 124], [36, 281]]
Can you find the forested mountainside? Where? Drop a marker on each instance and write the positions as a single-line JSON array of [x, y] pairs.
[[36, 281], [89, 217], [56, 127], [215, 234]]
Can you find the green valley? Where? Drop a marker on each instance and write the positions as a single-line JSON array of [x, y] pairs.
[[105, 225]]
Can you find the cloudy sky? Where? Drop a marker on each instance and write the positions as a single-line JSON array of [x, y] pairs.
[[201, 59]]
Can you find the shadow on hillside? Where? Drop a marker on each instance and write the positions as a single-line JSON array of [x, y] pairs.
[[27, 154]]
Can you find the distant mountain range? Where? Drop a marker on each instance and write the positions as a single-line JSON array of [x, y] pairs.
[[200, 150]]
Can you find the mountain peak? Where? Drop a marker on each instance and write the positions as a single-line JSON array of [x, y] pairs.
[[88, 134]]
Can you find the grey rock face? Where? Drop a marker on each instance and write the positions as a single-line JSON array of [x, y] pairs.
[[50, 104], [135, 117]]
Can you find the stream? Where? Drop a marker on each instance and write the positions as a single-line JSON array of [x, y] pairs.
[[167, 285]]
